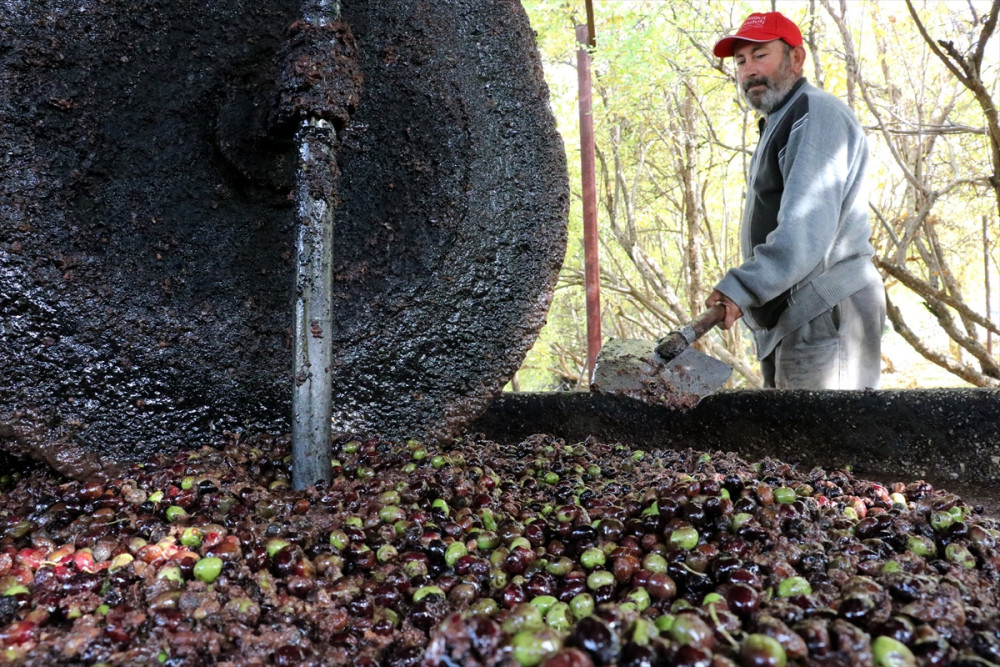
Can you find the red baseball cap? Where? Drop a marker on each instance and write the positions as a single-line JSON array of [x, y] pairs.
[[761, 28]]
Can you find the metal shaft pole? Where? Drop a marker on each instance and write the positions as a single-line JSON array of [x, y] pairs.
[[312, 402], [312, 346]]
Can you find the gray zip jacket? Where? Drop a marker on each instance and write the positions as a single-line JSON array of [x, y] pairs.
[[805, 231]]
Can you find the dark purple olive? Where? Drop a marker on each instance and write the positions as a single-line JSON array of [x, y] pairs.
[[596, 638], [568, 657], [816, 636], [691, 656], [899, 628], [742, 599]]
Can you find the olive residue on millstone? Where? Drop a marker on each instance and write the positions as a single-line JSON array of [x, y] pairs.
[[147, 263], [542, 552]]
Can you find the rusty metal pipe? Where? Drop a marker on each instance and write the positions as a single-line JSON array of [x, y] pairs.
[[588, 177]]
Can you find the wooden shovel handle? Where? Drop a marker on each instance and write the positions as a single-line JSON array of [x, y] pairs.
[[704, 323], [677, 341]]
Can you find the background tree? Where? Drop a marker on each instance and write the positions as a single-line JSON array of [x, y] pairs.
[[674, 139]]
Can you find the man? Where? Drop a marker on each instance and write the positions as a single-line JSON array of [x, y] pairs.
[[807, 288]]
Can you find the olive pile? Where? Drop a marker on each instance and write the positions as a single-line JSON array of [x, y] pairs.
[[540, 553]]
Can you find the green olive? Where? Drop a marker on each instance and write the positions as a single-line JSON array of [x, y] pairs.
[[391, 514], [654, 562], [758, 649], [941, 520], [784, 495], [889, 652], [792, 586], [339, 540], [558, 616], [685, 537], [487, 540], [386, 553], [487, 606], [560, 566], [120, 561], [455, 551], [191, 537], [599, 578], [664, 622], [175, 513], [643, 631], [519, 541], [533, 646], [424, 591], [960, 555], [544, 602], [640, 597], [921, 546], [592, 558], [523, 616], [170, 572], [207, 569], [582, 605]]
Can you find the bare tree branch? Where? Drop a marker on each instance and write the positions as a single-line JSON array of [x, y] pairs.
[[960, 370], [924, 290]]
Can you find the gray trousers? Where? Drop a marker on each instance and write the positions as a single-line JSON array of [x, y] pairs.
[[840, 349]]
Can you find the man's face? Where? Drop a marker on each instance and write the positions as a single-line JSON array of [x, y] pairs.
[[765, 72]]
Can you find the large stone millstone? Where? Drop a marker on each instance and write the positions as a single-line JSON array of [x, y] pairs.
[[147, 259]]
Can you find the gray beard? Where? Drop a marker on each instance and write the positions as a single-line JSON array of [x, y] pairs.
[[773, 95], [771, 98]]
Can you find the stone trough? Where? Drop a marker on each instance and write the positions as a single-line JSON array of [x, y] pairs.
[[948, 437]]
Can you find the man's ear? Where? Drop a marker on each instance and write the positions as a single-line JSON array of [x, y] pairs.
[[798, 58]]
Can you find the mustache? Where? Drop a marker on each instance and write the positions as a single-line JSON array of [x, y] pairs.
[[756, 81]]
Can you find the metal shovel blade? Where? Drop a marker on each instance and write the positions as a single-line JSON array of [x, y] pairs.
[[632, 368]]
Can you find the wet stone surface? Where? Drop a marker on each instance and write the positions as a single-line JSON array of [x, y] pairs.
[[146, 256]]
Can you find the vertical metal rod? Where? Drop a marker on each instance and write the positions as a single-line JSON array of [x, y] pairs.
[[316, 193], [592, 271], [312, 344], [312, 403]]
